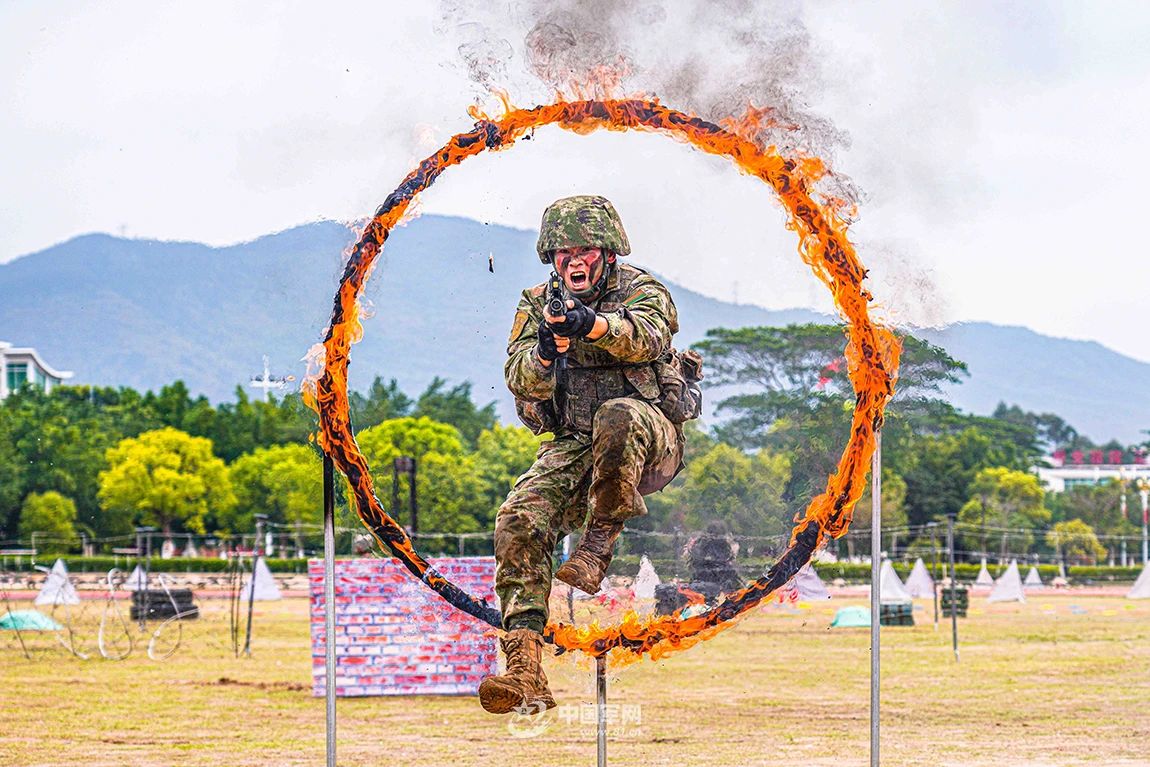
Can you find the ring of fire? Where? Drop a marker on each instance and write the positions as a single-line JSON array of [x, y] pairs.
[[872, 353]]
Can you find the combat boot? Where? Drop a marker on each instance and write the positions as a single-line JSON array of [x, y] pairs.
[[524, 685], [588, 564]]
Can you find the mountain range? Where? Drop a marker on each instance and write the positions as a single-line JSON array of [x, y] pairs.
[[143, 313]]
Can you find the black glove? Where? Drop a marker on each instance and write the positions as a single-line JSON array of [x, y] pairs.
[[546, 348], [577, 322]]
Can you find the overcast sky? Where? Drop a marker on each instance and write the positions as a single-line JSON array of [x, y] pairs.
[[1002, 147]]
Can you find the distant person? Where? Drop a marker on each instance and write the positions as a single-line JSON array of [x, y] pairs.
[[590, 360], [711, 560]]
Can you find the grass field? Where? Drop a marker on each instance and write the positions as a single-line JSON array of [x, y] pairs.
[[1060, 680]]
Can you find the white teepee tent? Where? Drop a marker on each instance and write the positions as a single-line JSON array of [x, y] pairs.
[[809, 587], [984, 578], [1008, 587], [135, 581], [891, 590], [646, 580], [1033, 579], [266, 589], [1141, 588], [919, 584], [57, 588]]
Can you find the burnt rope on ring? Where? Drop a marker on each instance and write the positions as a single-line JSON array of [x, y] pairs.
[[872, 351], [728, 605]]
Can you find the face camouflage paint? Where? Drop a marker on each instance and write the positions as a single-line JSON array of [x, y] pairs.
[[582, 269]]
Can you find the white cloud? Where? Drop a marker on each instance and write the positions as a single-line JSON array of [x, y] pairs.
[[1002, 148]]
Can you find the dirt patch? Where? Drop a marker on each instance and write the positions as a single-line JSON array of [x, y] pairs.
[[224, 681]]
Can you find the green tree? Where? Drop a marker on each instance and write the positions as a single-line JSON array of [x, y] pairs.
[[893, 514], [801, 364], [1049, 429], [382, 402], [938, 470], [1004, 504], [164, 478], [1075, 542], [239, 427], [59, 441], [283, 481], [455, 406], [408, 436], [52, 518], [745, 491], [449, 491], [451, 495], [171, 404], [503, 454], [1099, 505], [794, 393], [66, 434], [12, 478]]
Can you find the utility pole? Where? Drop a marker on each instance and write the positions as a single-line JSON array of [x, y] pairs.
[[1122, 506], [405, 464], [1144, 491], [256, 553], [950, 517], [934, 567], [144, 560]]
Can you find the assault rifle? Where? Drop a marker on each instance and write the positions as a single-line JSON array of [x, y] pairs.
[[557, 307], [556, 304]]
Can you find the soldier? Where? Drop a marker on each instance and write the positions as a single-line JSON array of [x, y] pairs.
[[602, 376]]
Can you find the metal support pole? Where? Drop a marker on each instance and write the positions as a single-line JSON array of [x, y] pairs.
[[570, 589], [934, 568], [953, 584], [329, 602], [257, 548], [601, 705], [412, 497], [1122, 510], [405, 464], [875, 592], [395, 488], [1145, 493], [144, 560], [141, 583]]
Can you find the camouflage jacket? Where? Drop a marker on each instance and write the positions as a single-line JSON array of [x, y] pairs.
[[641, 319]]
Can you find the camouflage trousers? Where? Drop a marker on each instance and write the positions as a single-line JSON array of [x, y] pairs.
[[632, 451]]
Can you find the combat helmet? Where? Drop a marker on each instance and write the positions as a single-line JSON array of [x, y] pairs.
[[587, 220]]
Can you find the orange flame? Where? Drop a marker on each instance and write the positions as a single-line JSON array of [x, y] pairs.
[[693, 597], [872, 351]]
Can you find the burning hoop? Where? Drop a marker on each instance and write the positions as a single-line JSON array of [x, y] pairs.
[[872, 352]]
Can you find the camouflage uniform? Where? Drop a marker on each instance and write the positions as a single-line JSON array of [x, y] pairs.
[[612, 444]]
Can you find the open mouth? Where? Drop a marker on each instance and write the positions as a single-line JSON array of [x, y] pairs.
[[577, 278]]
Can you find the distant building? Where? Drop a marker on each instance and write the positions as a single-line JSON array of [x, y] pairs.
[[1063, 474], [19, 366]]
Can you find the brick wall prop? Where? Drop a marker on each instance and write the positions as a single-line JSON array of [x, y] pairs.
[[395, 636]]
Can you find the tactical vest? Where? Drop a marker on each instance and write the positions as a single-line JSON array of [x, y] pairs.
[[591, 376]]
